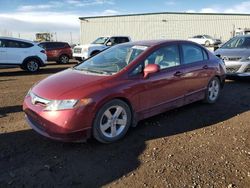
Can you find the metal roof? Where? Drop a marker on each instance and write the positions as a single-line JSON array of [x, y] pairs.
[[157, 13]]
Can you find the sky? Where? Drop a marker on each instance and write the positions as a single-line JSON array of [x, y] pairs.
[[25, 18]]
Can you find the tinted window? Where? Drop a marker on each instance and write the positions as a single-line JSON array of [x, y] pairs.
[[238, 42], [165, 57], [2, 43], [15, 44], [119, 40], [191, 53]]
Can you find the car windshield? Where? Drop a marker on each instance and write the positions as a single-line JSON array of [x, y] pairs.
[[208, 37], [100, 40], [237, 42], [112, 60]]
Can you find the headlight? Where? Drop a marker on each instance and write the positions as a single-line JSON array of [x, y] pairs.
[[61, 105]]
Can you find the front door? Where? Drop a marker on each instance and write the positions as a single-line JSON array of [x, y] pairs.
[[163, 90]]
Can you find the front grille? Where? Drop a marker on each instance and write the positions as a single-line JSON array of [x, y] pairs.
[[247, 70], [231, 58], [232, 69], [38, 100], [77, 50]]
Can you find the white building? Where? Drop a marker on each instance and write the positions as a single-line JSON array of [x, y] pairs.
[[165, 25]]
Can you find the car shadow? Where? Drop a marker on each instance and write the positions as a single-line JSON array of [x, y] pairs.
[[29, 159], [4, 111], [47, 70]]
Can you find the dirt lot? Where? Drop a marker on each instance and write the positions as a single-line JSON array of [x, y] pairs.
[[198, 145]]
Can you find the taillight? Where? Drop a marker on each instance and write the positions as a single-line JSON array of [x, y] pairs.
[[42, 51]]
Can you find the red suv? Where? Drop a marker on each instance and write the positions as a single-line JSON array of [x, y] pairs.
[[60, 52]]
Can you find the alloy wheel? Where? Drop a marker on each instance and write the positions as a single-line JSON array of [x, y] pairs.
[[32, 66], [113, 121], [213, 90]]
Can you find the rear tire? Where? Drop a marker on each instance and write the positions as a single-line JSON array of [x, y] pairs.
[[213, 91], [112, 121], [31, 65], [63, 59]]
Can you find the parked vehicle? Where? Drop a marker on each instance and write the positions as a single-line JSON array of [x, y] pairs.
[[236, 55], [205, 40], [83, 52], [108, 93], [23, 53], [60, 52], [240, 31]]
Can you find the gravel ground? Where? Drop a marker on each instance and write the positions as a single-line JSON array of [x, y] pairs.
[[198, 145]]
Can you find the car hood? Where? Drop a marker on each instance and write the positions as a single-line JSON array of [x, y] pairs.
[[244, 53], [69, 84]]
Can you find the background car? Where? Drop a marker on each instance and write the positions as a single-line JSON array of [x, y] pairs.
[[120, 86], [82, 52], [60, 52], [236, 55], [205, 40], [18, 52]]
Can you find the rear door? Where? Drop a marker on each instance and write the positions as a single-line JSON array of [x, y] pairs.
[[196, 71], [16, 51]]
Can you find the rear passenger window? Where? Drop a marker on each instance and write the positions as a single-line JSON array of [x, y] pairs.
[[205, 56], [192, 53], [25, 45]]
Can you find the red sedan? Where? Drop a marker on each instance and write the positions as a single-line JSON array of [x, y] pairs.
[[112, 91]]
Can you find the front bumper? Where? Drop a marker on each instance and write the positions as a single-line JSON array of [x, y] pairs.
[[235, 68], [80, 56], [66, 125]]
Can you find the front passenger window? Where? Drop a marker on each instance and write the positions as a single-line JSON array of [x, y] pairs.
[[165, 57]]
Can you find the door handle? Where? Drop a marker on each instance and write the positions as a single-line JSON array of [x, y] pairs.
[[205, 67], [178, 73]]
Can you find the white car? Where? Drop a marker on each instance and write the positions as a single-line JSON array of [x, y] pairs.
[[82, 52], [23, 53], [236, 55], [205, 40]]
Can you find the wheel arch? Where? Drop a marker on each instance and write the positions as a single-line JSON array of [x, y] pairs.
[[123, 99], [30, 58]]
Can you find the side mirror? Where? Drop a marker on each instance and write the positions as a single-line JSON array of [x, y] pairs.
[[150, 69], [109, 44]]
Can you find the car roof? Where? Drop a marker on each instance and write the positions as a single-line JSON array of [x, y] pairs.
[[18, 39], [155, 42], [46, 42]]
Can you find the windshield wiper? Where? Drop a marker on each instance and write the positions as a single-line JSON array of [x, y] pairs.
[[94, 71]]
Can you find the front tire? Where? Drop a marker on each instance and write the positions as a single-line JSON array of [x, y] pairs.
[[213, 91], [31, 65], [112, 121]]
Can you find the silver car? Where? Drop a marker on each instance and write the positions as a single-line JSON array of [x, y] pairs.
[[236, 55]]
